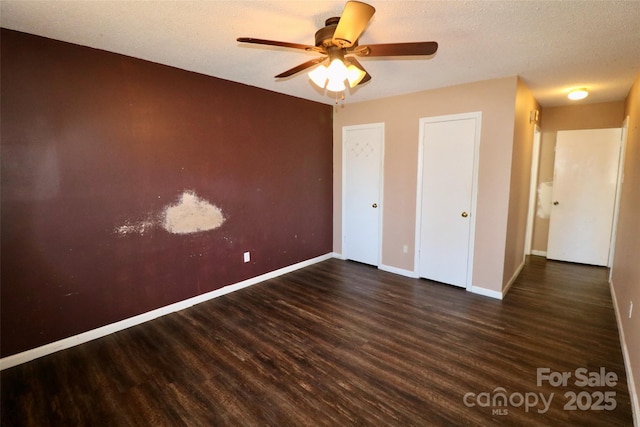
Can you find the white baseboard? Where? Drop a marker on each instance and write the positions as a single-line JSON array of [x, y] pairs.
[[485, 292], [539, 253], [400, 271], [28, 355], [497, 294], [512, 279], [338, 255], [633, 393]]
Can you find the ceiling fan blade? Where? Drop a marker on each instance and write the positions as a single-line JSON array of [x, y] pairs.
[[275, 43], [301, 67], [353, 21], [397, 49], [355, 62]]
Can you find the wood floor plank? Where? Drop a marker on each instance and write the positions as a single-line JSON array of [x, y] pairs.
[[340, 343]]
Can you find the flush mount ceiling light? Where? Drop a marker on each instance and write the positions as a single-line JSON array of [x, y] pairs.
[[577, 94], [338, 41]]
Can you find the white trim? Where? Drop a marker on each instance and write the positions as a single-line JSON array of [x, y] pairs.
[[474, 187], [28, 355], [380, 126], [400, 271], [513, 279], [538, 253], [533, 185], [633, 393], [485, 292], [418, 219], [381, 196], [338, 255]]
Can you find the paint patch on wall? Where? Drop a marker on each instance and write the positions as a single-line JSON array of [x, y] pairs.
[[138, 227], [545, 190], [190, 214]]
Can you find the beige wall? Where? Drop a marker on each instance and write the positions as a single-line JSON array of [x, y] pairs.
[[571, 117], [496, 99], [519, 185], [503, 179], [626, 265]]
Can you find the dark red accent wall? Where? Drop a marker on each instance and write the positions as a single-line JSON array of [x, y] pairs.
[[93, 140]]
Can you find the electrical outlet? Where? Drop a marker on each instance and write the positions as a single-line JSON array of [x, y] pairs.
[[630, 308], [247, 256], [405, 249]]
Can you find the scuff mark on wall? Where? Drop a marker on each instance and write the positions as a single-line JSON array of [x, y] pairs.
[[545, 190], [190, 214]]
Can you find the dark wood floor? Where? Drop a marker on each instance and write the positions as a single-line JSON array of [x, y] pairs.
[[337, 344]]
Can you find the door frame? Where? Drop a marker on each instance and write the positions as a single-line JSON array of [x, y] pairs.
[[379, 126], [533, 188], [477, 115]]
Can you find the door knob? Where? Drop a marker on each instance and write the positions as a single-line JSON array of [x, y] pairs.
[[375, 205], [556, 203], [464, 214]]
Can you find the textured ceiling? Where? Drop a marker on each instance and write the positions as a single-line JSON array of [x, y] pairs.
[[552, 45]]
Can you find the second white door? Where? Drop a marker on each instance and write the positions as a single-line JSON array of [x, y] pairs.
[[362, 192], [584, 190], [446, 209]]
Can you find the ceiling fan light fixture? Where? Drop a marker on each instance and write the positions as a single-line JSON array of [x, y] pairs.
[[336, 85], [354, 75], [319, 76], [334, 76], [337, 72], [577, 94]]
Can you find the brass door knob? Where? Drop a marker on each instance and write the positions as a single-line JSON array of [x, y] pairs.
[[464, 214], [556, 203], [375, 205]]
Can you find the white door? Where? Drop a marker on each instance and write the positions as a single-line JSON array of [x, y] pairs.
[[362, 192], [446, 192], [584, 189]]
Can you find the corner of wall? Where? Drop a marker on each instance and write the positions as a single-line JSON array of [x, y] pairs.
[[519, 184], [625, 272]]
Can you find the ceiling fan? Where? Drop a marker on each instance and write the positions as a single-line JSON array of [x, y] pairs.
[[337, 41]]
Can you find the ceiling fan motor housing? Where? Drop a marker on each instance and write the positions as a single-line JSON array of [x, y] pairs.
[[324, 36]]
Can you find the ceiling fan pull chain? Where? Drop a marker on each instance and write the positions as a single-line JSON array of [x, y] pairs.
[[341, 98]]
